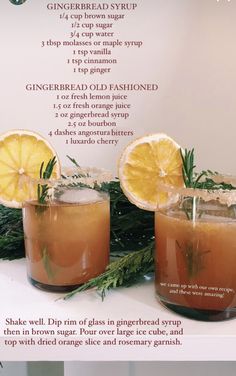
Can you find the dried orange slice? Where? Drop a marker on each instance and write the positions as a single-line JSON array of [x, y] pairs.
[[21, 155], [146, 162]]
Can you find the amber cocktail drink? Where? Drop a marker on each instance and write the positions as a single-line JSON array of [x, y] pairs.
[[67, 240], [196, 258]]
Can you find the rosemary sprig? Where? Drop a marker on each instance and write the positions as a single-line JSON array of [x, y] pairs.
[[194, 257], [42, 199], [47, 263], [123, 272], [202, 180], [45, 174], [187, 157]]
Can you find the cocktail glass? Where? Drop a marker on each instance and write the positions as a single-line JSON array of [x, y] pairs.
[[67, 239], [195, 259]]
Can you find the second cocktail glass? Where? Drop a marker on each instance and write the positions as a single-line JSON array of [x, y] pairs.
[[196, 254]]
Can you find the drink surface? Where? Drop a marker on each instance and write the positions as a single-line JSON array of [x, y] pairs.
[[66, 244], [195, 260]]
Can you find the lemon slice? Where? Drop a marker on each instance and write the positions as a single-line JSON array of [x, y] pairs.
[[21, 155], [146, 162]]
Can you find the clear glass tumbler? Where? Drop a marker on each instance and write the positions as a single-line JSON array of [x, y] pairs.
[[67, 239], [196, 254]]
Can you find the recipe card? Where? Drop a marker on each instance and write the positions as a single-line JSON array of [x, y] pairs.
[[117, 187]]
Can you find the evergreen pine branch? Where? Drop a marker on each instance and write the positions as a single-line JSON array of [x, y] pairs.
[[11, 234], [123, 272], [132, 228]]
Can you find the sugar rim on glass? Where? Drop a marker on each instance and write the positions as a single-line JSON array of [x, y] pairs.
[[223, 196], [89, 176]]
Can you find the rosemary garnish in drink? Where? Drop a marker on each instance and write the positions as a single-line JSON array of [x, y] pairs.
[[202, 180], [42, 199], [47, 263], [45, 174], [42, 189], [193, 256], [195, 180], [193, 209]]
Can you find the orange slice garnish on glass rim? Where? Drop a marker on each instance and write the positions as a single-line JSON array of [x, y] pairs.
[[145, 163], [21, 155]]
